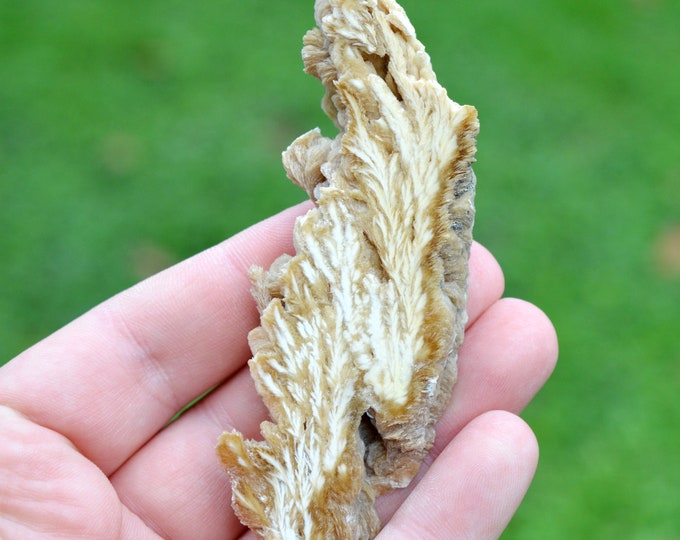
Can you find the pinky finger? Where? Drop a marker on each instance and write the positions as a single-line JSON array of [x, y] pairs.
[[475, 485]]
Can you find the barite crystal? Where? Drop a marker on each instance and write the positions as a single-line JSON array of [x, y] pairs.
[[355, 357]]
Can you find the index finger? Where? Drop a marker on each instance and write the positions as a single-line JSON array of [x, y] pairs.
[[115, 376]]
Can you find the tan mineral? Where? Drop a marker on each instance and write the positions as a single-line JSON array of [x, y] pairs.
[[355, 357]]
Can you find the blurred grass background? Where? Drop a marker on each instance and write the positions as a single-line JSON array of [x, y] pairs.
[[135, 134]]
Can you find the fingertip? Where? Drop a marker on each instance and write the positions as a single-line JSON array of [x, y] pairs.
[[475, 485], [509, 440], [486, 281], [262, 242], [501, 451], [506, 464], [540, 336]]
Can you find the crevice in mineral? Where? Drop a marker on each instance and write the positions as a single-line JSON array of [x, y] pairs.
[[380, 65], [374, 445]]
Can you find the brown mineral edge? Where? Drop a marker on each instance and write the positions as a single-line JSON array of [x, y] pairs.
[[355, 355]]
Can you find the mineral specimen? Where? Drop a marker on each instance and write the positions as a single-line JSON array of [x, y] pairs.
[[355, 357]]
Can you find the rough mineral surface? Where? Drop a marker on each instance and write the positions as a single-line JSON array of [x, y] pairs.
[[356, 353]]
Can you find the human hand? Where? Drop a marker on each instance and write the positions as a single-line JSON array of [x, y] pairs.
[[85, 446]]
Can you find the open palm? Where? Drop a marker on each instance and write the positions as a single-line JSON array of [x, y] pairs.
[[86, 450]]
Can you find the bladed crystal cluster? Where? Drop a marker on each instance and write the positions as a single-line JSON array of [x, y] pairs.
[[355, 357]]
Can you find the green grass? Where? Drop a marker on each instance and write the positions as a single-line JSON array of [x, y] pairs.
[[135, 134]]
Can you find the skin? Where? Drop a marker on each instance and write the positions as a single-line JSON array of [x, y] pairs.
[[85, 446]]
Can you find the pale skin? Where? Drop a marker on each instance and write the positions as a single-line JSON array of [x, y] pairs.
[[86, 452]]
